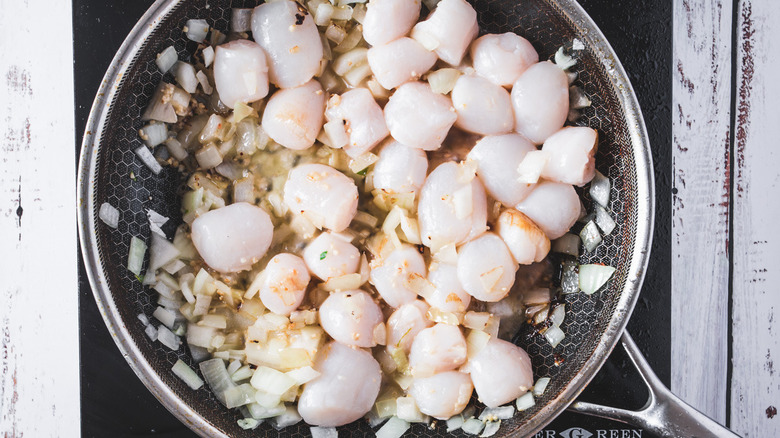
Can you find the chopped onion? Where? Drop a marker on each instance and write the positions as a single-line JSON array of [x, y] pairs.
[[394, 428], [570, 281], [233, 367], [151, 332], [208, 56], [202, 304], [567, 244], [454, 423], [187, 374], [209, 157], [554, 335], [406, 409], [203, 80], [563, 60], [243, 373], [213, 320], [525, 401], [175, 149], [591, 238], [337, 133], [472, 426], [248, 423], [593, 277], [272, 381], [217, 377], [540, 386], [604, 220], [109, 215], [200, 336], [135, 258], [425, 39], [599, 189], [532, 166], [259, 412], [350, 60], [156, 220], [241, 19], [344, 282], [144, 319], [491, 428], [161, 253], [362, 162], [442, 81], [168, 338], [148, 159], [239, 395], [287, 418], [303, 375], [165, 316], [476, 320], [324, 432], [386, 408], [577, 98], [499, 413], [166, 59], [196, 30], [154, 133], [323, 14], [558, 314], [185, 76], [160, 107], [174, 267], [437, 315]]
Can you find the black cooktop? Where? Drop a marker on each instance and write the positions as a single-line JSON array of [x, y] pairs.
[[114, 403]]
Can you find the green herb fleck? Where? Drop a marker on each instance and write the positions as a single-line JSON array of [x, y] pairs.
[[363, 172], [133, 177], [323, 254], [140, 278]]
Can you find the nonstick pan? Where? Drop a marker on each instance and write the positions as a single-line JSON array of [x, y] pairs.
[[593, 324]]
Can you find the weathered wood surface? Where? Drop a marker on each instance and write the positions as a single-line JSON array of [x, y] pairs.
[[39, 372], [701, 97], [755, 387]]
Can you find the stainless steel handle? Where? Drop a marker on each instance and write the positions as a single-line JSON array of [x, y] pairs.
[[664, 414]]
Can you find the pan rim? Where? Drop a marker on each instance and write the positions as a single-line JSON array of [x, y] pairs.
[[87, 218]]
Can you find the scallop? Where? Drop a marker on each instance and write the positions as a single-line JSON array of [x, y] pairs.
[[232, 238], [486, 268], [554, 207], [448, 294], [293, 116], [362, 117], [286, 278], [452, 206], [571, 152], [418, 117], [345, 390], [400, 169], [331, 255], [442, 395], [497, 160], [449, 30], [501, 372], [404, 325], [482, 106], [437, 349], [351, 317], [526, 241], [400, 61], [391, 275], [502, 58], [240, 72], [290, 38], [327, 197], [388, 20], [540, 98]]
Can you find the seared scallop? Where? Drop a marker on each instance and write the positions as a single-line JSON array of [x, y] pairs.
[[327, 197]]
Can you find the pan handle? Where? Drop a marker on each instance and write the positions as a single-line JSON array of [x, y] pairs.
[[664, 414]]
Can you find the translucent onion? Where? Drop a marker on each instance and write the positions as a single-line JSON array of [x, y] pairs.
[[394, 428], [185, 76], [166, 59], [525, 401], [591, 238], [109, 215], [196, 30], [599, 189], [148, 159]]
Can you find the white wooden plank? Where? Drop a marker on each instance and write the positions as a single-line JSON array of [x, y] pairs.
[[755, 387], [700, 212], [39, 384]]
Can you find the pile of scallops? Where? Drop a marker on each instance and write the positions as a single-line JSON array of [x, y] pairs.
[[399, 254]]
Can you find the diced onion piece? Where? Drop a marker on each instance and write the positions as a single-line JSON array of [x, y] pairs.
[[287, 418], [442, 81], [323, 14], [386, 408], [165, 316], [208, 56], [156, 220], [248, 423], [350, 60], [570, 282], [437, 315], [109, 215], [540, 386], [243, 373], [591, 238], [401, 362], [599, 189], [532, 166], [213, 320], [259, 412], [303, 375], [148, 159], [499, 413], [324, 432], [344, 282], [420, 285], [168, 338], [239, 395], [196, 30], [447, 254], [425, 39], [161, 253], [203, 80], [411, 230], [217, 377], [594, 277], [153, 134], [563, 60], [525, 401], [362, 162], [351, 40], [567, 244], [272, 381], [241, 19], [144, 319], [406, 409], [336, 34], [476, 320], [394, 428], [187, 374], [558, 314], [151, 332], [359, 12], [355, 76], [454, 423], [166, 59], [475, 342], [337, 133], [176, 149], [578, 99], [185, 76], [491, 428], [342, 12], [472, 426], [554, 335], [135, 258], [209, 156], [604, 220]]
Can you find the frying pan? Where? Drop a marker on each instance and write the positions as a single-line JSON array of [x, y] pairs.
[[593, 325]]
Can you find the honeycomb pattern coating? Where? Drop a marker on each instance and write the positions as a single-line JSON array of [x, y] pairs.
[[587, 317]]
